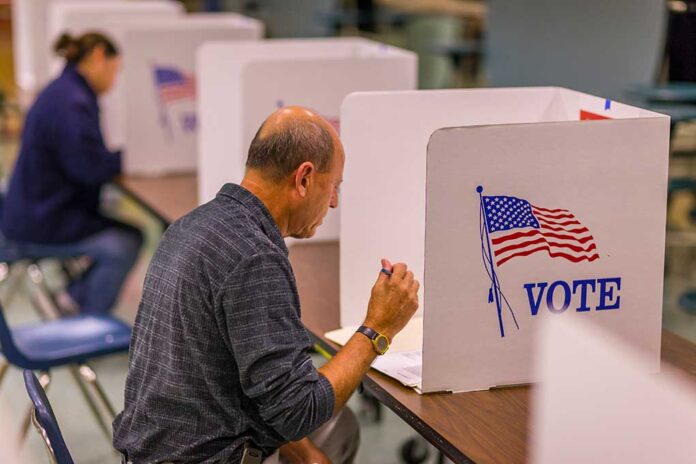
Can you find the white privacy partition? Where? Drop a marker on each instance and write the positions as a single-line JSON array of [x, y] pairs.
[[596, 404], [30, 41], [241, 84], [151, 111], [79, 16], [574, 224]]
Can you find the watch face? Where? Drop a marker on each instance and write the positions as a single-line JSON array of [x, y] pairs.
[[382, 344]]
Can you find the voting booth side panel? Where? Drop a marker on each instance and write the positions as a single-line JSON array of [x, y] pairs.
[[27, 22], [385, 136], [533, 221], [320, 84], [162, 122], [219, 116], [594, 389]]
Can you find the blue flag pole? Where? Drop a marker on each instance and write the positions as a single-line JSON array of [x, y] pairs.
[[494, 277], [164, 117]]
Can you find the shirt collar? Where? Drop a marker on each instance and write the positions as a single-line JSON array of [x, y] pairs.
[[258, 211], [71, 71]]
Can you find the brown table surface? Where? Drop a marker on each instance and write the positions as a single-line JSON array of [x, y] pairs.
[[168, 197], [487, 426]]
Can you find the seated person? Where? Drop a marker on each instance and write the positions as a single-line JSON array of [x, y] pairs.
[[220, 363], [52, 205]]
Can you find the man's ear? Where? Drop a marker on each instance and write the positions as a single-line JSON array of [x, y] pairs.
[[303, 178]]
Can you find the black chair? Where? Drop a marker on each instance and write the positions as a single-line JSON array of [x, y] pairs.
[[45, 421]]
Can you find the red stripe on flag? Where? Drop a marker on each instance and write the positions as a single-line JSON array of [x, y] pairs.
[[517, 246], [574, 259], [516, 235], [551, 210]]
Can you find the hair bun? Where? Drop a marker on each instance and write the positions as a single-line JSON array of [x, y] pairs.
[[63, 43]]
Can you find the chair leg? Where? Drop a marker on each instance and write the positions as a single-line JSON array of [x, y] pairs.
[[91, 377], [44, 301], [77, 373], [10, 281], [45, 381], [4, 366]]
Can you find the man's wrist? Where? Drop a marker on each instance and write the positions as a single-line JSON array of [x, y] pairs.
[[379, 329]]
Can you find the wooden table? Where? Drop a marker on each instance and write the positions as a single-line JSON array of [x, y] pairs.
[[487, 426], [167, 198]]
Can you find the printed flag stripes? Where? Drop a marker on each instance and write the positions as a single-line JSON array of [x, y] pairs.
[[174, 85], [518, 228]]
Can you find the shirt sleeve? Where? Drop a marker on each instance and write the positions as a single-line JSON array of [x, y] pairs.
[[80, 146], [271, 347]]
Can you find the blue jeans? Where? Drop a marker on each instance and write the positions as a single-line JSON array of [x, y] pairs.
[[113, 253]]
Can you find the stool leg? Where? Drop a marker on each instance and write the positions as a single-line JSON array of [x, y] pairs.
[[77, 373], [45, 381]]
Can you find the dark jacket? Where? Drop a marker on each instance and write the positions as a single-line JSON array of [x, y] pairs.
[[53, 195]]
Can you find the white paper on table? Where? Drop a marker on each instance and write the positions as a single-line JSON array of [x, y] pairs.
[[406, 367], [403, 361]]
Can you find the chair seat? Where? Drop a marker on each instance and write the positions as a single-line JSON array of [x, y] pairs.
[[70, 340]]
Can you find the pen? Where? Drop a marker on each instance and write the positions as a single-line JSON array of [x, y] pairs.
[[387, 272]]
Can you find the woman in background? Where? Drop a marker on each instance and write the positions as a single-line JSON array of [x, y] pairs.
[[52, 205]]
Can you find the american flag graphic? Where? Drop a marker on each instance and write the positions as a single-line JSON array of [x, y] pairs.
[[517, 228], [174, 85]]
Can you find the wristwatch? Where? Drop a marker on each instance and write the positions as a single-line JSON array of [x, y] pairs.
[[380, 342]]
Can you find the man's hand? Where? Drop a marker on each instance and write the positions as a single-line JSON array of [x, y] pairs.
[[394, 300], [303, 452]]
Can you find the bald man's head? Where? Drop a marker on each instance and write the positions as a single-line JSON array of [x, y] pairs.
[[289, 137]]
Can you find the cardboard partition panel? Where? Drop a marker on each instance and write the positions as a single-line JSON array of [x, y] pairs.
[[241, 84], [595, 402], [577, 187], [151, 112]]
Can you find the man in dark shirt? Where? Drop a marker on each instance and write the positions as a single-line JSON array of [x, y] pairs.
[[219, 359]]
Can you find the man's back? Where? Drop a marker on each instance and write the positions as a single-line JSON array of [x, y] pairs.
[[219, 356]]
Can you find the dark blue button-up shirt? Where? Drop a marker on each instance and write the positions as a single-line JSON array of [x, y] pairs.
[[219, 356], [54, 191]]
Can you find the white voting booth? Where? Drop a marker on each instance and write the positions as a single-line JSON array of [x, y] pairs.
[[241, 84], [151, 111], [30, 41], [511, 206], [79, 16]]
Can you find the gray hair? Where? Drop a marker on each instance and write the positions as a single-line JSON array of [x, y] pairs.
[[278, 153]]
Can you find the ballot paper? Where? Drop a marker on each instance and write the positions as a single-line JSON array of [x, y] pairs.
[[403, 361]]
